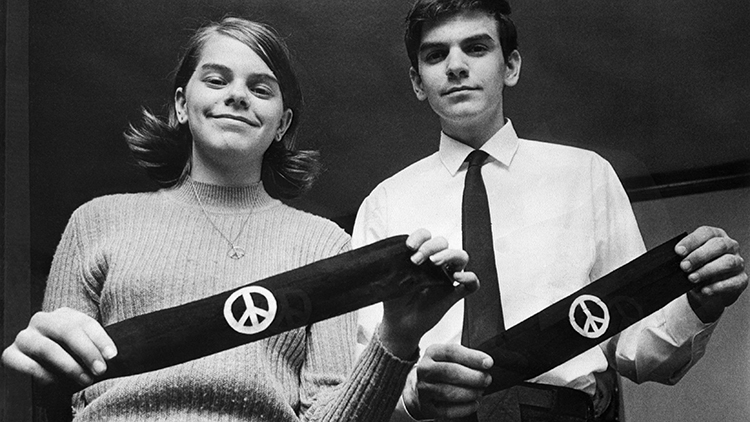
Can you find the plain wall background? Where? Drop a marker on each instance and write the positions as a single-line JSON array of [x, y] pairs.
[[718, 387], [652, 86]]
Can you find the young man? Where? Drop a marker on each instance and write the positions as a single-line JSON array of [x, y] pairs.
[[560, 220]]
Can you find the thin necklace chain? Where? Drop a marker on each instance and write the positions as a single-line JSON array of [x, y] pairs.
[[235, 252]]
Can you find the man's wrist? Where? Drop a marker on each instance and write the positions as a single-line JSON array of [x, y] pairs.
[[412, 416], [706, 311], [409, 399]]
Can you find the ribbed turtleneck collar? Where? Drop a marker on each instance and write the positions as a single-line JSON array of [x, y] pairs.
[[226, 198]]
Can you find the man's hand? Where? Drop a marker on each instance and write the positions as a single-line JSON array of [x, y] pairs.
[[65, 343], [448, 382], [712, 258], [406, 319]]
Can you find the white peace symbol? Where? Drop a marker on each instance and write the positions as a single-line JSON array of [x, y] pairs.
[[252, 312], [595, 326]]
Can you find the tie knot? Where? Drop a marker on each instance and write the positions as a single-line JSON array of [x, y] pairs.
[[476, 158]]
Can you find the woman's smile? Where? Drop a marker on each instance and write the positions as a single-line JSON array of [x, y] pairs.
[[233, 117]]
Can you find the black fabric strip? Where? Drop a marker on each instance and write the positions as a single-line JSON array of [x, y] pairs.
[[312, 293], [548, 339]]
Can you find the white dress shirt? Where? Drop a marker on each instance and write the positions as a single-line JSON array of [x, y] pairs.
[[560, 220]]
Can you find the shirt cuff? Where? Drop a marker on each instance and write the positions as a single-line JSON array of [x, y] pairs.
[[683, 324], [402, 406]]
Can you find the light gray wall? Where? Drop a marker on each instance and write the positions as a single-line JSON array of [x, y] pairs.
[[718, 387]]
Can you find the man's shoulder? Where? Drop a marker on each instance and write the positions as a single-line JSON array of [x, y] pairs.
[[559, 156], [414, 172], [568, 151]]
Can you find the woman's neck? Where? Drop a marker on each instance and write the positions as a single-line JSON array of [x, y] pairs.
[[220, 198], [233, 175]]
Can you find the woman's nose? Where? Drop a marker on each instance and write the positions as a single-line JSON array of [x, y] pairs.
[[237, 97]]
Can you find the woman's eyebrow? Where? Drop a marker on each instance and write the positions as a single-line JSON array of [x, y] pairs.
[[216, 66], [263, 76]]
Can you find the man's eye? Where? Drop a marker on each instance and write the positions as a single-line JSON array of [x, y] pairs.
[[434, 56], [477, 48]]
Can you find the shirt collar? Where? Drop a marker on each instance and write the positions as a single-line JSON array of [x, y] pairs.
[[502, 146]]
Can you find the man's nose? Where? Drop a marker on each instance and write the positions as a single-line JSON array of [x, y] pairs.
[[456, 66]]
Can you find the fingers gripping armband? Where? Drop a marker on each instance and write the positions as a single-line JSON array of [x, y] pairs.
[[587, 317], [296, 298]]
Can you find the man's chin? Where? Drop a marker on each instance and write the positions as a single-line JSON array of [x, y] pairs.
[[463, 114]]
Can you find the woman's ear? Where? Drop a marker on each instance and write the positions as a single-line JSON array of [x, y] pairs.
[[284, 123], [180, 105]]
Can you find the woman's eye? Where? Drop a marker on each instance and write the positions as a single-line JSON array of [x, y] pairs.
[[215, 80], [262, 91]]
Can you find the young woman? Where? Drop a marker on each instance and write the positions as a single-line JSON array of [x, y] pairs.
[[225, 156]]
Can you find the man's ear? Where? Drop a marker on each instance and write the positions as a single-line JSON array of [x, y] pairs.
[[512, 68], [180, 105], [416, 84]]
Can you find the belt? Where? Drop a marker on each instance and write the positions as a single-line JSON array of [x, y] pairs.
[[561, 401], [548, 401]]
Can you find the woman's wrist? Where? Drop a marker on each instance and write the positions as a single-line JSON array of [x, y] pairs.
[[398, 342]]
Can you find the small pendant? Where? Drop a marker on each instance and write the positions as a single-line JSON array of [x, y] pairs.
[[236, 253]]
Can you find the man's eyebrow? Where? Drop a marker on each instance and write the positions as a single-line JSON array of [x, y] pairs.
[[474, 38], [430, 45], [478, 37]]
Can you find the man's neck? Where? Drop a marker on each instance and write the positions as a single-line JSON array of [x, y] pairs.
[[473, 134]]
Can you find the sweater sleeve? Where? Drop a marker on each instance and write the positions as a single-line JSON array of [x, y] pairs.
[[374, 384], [333, 387], [71, 282]]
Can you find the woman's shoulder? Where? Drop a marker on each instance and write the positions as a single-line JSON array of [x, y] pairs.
[[314, 221], [108, 208], [303, 224], [117, 201]]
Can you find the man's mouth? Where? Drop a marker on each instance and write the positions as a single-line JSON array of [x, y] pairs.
[[461, 88]]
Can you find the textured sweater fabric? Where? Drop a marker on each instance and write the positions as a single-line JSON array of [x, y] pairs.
[[129, 254]]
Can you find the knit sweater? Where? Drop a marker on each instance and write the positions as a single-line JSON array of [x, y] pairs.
[[125, 255]]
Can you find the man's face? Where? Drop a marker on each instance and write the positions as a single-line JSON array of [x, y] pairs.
[[462, 71]]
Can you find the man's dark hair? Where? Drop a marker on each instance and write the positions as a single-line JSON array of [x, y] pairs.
[[434, 10]]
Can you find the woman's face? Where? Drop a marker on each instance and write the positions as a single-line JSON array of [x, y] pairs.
[[233, 106]]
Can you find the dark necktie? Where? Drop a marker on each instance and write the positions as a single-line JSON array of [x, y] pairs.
[[483, 315]]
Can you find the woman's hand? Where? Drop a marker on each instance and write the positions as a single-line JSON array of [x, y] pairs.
[[407, 318], [64, 342]]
